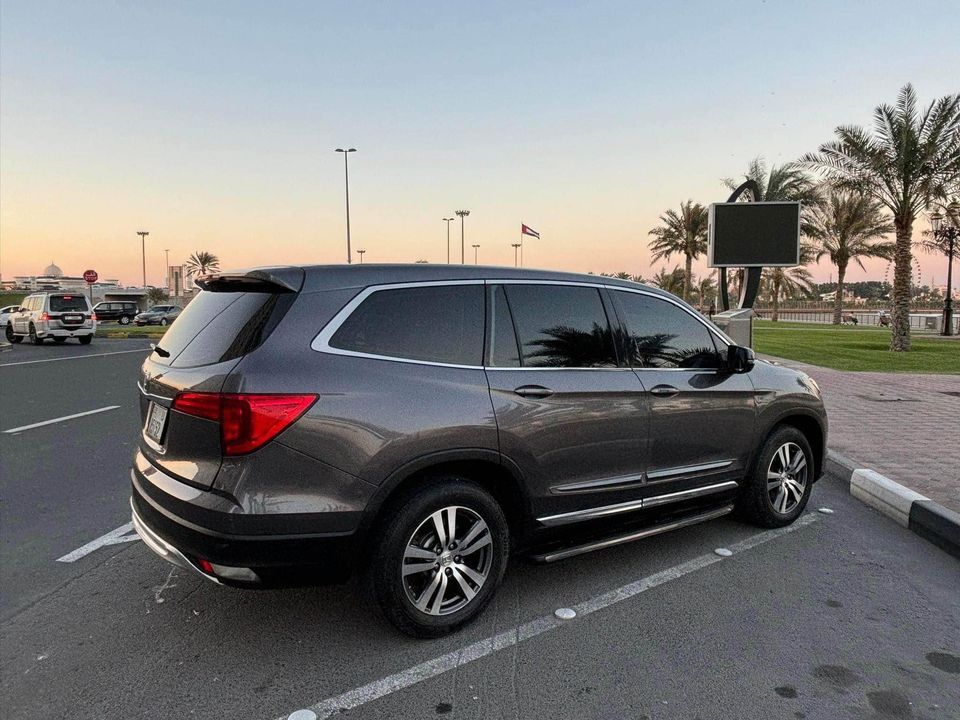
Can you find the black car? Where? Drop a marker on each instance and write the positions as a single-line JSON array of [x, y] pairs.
[[112, 311], [419, 423]]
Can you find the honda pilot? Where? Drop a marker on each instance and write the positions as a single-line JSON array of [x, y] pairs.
[[419, 424]]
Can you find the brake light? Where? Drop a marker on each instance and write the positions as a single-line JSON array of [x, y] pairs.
[[93, 317], [44, 316], [247, 421]]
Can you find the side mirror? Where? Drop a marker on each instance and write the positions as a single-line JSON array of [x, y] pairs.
[[740, 359]]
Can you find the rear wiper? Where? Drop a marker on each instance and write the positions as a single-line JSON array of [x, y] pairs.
[[159, 350]]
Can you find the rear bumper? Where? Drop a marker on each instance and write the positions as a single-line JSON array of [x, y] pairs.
[[264, 559], [65, 332]]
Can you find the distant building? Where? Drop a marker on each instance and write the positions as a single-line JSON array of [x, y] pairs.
[[179, 282], [54, 279]]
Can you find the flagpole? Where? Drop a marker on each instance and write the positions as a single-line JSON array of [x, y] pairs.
[[521, 246]]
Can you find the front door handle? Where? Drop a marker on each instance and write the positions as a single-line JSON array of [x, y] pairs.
[[533, 391], [663, 390]]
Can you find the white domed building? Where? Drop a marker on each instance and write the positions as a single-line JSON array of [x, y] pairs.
[[53, 278]]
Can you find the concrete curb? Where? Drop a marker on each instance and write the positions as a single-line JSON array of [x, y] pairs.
[[928, 519]]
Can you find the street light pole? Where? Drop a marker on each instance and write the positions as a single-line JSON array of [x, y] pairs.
[[143, 252], [360, 253], [515, 246], [346, 184], [948, 233], [475, 249], [448, 221], [463, 253], [166, 269]]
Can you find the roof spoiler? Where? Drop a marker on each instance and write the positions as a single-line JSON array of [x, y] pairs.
[[267, 280]]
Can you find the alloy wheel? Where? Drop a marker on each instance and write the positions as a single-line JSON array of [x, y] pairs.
[[787, 478], [447, 560]]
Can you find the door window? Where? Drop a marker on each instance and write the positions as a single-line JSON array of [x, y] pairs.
[[662, 335], [504, 351], [561, 326], [437, 323]]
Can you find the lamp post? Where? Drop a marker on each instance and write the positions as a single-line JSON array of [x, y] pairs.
[[515, 246], [475, 249], [947, 234], [166, 269], [448, 221], [462, 214], [360, 253], [143, 252], [346, 185]]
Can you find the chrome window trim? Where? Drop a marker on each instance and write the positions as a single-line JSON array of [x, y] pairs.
[[613, 483], [321, 342], [616, 509]]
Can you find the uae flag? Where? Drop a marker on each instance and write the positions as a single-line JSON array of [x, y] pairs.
[[524, 230]]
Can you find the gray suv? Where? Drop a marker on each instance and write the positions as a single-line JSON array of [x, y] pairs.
[[420, 423]]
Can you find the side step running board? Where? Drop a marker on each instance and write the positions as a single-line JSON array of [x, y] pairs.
[[630, 537]]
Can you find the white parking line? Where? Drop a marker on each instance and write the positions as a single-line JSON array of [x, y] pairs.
[[431, 668], [72, 357], [114, 537], [60, 419]]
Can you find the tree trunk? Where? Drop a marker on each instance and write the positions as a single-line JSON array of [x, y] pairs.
[[686, 278], [838, 301], [900, 315], [775, 316]]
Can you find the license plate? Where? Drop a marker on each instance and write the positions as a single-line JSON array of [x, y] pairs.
[[73, 318], [156, 420]]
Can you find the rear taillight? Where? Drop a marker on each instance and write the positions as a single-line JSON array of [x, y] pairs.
[[44, 317], [247, 421], [93, 317]]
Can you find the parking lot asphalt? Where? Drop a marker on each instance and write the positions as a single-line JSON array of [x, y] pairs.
[[844, 615]]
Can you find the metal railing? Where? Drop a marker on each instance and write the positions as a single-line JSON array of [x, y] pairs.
[[921, 321]]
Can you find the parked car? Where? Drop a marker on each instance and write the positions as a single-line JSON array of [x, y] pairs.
[[418, 423], [52, 315], [122, 312], [158, 315], [6, 312]]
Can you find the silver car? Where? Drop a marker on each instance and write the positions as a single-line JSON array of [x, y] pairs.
[[52, 315]]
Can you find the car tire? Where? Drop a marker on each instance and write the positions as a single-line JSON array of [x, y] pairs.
[[163, 321], [34, 338], [85, 339], [427, 590], [779, 485], [124, 320], [9, 334]]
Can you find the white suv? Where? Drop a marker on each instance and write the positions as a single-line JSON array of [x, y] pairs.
[[53, 315]]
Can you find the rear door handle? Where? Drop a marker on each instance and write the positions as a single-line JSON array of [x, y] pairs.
[[664, 390], [533, 391]]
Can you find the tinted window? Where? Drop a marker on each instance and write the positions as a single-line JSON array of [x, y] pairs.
[[661, 335], [66, 303], [503, 340], [561, 326], [436, 324], [218, 326]]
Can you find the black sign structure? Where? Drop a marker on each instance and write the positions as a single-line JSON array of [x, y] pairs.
[[754, 234]]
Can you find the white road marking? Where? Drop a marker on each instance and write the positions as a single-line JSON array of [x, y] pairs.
[[482, 648], [72, 357], [114, 537], [60, 419]]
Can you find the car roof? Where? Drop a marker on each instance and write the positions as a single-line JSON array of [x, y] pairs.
[[333, 277]]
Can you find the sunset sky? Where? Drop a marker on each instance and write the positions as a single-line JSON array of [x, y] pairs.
[[213, 125]]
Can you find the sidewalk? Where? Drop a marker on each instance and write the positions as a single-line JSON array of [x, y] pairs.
[[904, 426]]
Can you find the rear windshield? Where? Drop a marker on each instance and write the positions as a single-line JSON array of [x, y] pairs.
[[220, 326], [66, 303]]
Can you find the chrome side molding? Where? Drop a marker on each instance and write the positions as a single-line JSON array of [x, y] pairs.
[[618, 508]]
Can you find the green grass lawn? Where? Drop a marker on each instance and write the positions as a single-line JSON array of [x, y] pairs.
[[131, 330], [848, 347]]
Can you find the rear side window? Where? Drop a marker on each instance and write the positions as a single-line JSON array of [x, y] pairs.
[[442, 323], [220, 326], [67, 303], [662, 335], [561, 326], [504, 351]]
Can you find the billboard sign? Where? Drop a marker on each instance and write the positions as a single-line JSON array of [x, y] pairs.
[[754, 234]]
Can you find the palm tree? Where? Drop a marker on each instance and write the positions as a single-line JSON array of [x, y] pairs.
[[202, 262], [706, 289], [781, 183], [673, 281], [788, 281], [910, 159], [684, 233], [846, 227]]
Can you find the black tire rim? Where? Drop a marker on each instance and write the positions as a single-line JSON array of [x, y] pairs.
[[786, 479], [447, 560]]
